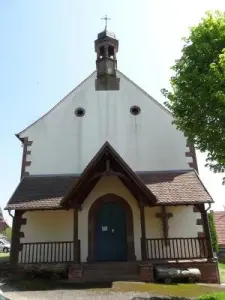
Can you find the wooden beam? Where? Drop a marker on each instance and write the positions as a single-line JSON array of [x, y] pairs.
[[16, 235], [76, 244], [143, 232]]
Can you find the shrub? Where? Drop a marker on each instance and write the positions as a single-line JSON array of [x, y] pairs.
[[222, 259], [217, 296], [213, 232]]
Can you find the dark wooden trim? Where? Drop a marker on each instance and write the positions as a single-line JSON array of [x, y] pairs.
[[16, 235], [92, 225], [195, 209], [176, 248], [143, 232], [192, 153], [206, 230], [199, 222], [85, 183], [187, 154], [21, 234], [23, 159], [25, 163], [201, 234], [76, 244]]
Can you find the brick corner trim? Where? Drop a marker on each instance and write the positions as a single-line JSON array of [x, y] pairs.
[[191, 153], [25, 160]]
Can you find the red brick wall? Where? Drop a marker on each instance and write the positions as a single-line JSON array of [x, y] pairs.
[[146, 273], [209, 270]]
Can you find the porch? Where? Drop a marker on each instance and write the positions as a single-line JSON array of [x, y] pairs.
[[172, 252], [156, 250]]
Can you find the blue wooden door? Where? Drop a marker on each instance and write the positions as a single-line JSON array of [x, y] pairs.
[[110, 235]]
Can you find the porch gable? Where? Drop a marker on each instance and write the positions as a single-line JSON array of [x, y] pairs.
[[107, 162]]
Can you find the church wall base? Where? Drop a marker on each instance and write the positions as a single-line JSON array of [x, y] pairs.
[[142, 271], [209, 270]]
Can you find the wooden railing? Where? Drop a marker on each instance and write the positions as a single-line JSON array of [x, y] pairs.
[[176, 248], [46, 252]]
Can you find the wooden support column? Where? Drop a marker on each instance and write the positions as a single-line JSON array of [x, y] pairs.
[[143, 232], [76, 242], [18, 221], [206, 230]]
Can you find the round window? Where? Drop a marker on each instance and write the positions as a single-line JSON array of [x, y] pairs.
[[135, 110], [80, 112]]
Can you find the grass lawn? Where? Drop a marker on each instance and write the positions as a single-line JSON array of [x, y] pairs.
[[182, 290], [222, 272], [4, 257], [188, 290]]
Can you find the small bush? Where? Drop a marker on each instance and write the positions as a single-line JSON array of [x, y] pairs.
[[213, 232], [222, 259], [217, 296]]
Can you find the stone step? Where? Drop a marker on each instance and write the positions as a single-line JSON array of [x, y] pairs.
[[108, 278], [106, 272], [129, 266], [103, 273]]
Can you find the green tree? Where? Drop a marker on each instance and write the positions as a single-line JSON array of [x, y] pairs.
[[197, 96], [213, 232], [8, 233]]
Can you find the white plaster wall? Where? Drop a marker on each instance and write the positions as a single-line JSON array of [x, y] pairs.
[[47, 226], [183, 222], [64, 143], [181, 225], [106, 185], [57, 226]]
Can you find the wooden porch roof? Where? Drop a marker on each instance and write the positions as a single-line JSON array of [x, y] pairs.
[[175, 187]]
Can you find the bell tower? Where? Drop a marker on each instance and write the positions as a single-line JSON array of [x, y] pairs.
[[106, 47]]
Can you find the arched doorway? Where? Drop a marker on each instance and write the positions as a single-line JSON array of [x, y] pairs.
[[110, 230]]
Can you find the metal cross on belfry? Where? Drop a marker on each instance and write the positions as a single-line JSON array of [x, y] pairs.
[[106, 20]]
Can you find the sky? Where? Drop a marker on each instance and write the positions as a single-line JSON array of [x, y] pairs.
[[47, 49]]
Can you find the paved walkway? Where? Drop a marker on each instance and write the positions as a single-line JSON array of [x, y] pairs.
[[69, 295]]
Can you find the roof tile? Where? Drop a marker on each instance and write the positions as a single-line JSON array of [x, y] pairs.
[[219, 219], [169, 187]]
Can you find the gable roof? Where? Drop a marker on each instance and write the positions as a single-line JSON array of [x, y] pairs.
[[97, 168], [18, 135], [177, 187], [219, 219]]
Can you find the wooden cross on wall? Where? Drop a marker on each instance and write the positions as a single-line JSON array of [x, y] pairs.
[[165, 220]]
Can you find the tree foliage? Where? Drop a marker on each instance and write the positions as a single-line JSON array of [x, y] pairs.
[[197, 96], [213, 232], [8, 233]]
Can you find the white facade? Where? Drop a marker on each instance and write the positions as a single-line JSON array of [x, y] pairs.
[[57, 226], [64, 143]]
